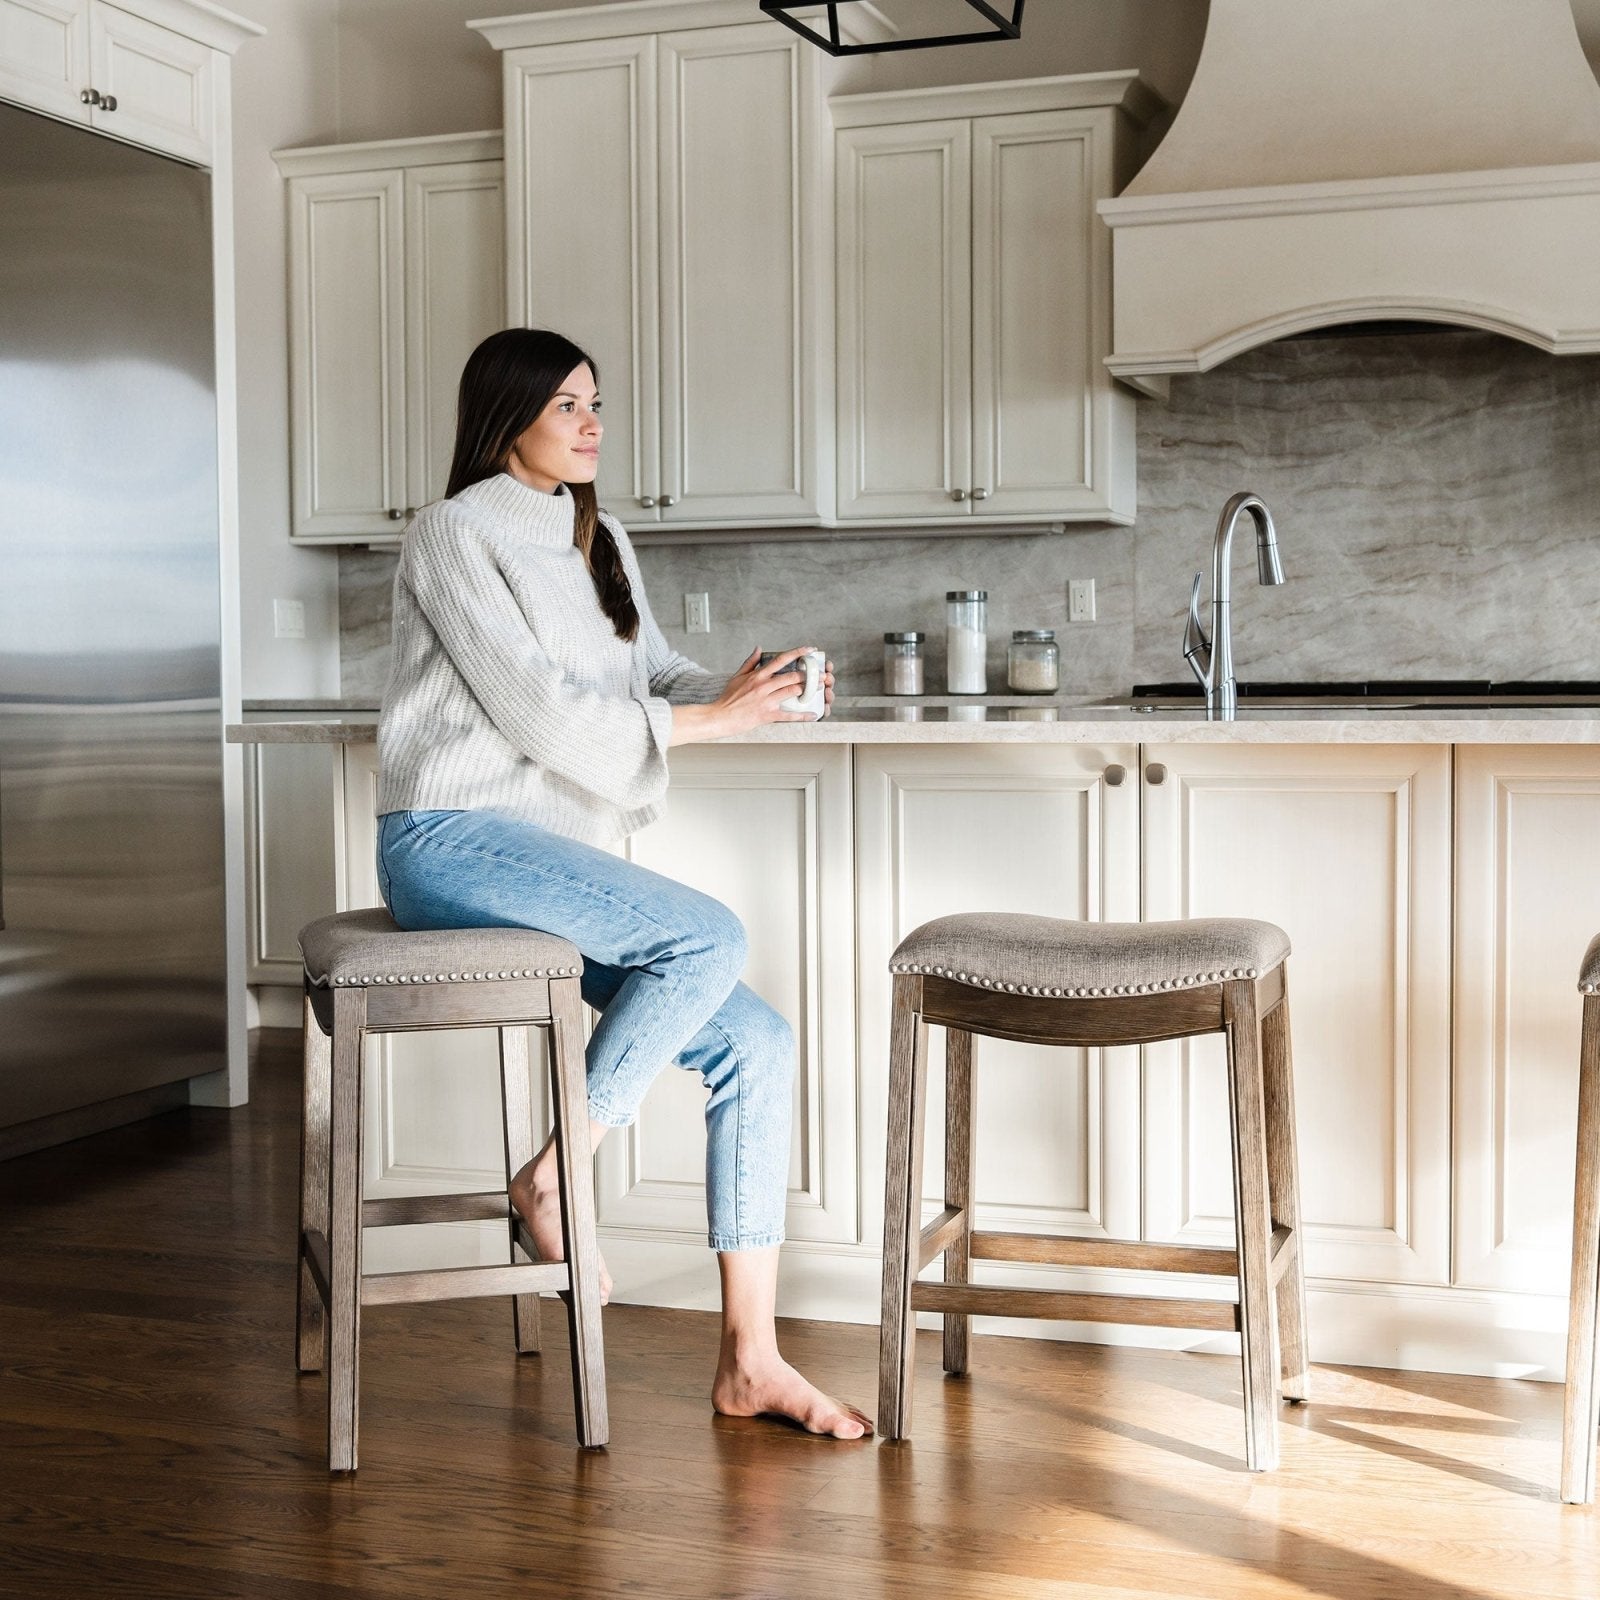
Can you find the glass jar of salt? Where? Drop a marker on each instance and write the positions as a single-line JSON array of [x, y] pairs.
[[966, 641], [902, 663], [1033, 663]]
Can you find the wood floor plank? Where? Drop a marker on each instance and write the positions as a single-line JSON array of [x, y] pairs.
[[156, 1441]]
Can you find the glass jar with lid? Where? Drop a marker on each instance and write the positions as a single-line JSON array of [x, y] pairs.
[[902, 663], [1033, 662], [966, 641]]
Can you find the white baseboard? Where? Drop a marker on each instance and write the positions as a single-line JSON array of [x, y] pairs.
[[1411, 1327]]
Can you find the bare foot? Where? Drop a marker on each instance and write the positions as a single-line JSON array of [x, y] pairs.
[[539, 1205], [769, 1386]]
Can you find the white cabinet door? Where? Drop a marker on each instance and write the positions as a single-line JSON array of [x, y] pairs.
[[943, 829], [905, 320], [1527, 862], [347, 362], [766, 831], [44, 55], [741, 274], [1347, 848], [156, 84], [455, 296], [1046, 413], [581, 195], [289, 879]]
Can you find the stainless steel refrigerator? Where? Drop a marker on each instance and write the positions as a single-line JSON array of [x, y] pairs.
[[112, 933]]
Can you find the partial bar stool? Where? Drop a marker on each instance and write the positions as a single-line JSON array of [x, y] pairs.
[[1581, 1419], [1046, 981], [364, 975]]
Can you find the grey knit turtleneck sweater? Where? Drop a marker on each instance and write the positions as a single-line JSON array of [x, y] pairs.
[[509, 688]]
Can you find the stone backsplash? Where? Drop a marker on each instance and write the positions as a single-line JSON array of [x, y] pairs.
[[1437, 497]]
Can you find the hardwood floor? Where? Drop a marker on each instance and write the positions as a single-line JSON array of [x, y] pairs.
[[156, 1442]]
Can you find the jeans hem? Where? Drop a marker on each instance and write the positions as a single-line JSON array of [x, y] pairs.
[[759, 1241], [612, 1119]]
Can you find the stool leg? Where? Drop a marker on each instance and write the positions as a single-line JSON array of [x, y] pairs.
[[344, 1233], [575, 1164], [1253, 1222], [516, 1105], [958, 1184], [310, 1327], [1581, 1415], [1283, 1175], [902, 1206]]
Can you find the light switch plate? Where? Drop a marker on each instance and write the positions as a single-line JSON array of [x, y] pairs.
[[288, 619], [697, 613], [1080, 599]]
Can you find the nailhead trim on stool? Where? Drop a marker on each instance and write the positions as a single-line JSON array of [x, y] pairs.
[[1198, 980]]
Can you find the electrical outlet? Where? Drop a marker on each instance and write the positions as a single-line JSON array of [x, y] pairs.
[[1080, 599], [288, 619], [697, 613]]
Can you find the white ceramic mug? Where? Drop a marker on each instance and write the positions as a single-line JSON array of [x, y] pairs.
[[811, 665]]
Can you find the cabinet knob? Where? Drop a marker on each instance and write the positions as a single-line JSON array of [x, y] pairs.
[[1155, 773], [669, 500], [980, 494], [647, 500], [1115, 773], [108, 102], [90, 97], [958, 494], [395, 514]]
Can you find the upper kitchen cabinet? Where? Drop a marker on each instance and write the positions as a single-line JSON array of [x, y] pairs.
[[396, 270], [667, 204], [974, 302], [145, 71]]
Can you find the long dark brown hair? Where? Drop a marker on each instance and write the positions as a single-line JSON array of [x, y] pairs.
[[507, 381]]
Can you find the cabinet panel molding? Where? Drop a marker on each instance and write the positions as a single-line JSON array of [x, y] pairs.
[[161, 82], [455, 297], [347, 368], [590, 109], [1527, 859], [905, 312], [44, 55], [1346, 848]]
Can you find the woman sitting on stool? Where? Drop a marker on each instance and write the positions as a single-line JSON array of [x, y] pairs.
[[529, 709]]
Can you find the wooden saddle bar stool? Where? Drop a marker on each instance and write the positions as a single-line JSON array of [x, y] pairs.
[[1581, 1414], [364, 975], [1046, 981]]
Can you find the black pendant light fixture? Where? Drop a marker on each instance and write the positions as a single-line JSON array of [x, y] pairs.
[[1000, 26]]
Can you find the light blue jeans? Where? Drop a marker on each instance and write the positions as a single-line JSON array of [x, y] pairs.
[[661, 964]]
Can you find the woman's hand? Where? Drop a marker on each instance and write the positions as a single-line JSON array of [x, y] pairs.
[[754, 696]]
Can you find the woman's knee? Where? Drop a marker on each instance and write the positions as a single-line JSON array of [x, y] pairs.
[[716, 936], [763, 1037]]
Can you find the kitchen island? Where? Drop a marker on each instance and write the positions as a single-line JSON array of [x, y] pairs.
[[1434, 868]]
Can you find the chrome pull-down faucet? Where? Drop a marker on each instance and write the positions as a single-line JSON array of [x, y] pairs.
[[1212, 659]]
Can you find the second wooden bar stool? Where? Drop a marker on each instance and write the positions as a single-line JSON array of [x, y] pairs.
[[1046, 981], [364, 975]]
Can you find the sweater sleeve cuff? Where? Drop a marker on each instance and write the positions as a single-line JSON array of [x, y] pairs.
[[658, 713]]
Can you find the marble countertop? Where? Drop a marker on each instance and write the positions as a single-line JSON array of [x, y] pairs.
[[1062, 723]]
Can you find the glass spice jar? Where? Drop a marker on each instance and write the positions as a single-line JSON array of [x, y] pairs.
[[1033, 662], [902, 663]]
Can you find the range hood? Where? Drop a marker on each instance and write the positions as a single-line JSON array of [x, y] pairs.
[[1343, 161]]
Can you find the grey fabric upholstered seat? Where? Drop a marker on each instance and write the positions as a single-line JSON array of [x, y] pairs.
[[356, 948], [1052, 956], [1589, 972]]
